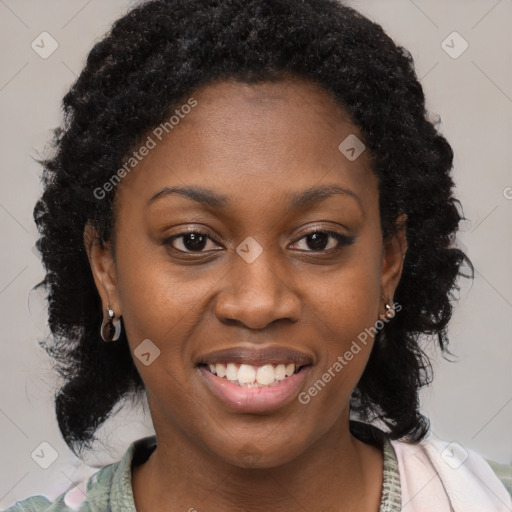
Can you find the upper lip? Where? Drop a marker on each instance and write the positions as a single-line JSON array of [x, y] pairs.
[[257, 356]]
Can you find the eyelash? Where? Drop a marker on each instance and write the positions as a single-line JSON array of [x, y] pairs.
[[343, 240]]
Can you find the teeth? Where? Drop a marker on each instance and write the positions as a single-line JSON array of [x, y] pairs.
[[265, 375], [246, 374], [231, 372], [250, 376], [220, 370], [280, 372]]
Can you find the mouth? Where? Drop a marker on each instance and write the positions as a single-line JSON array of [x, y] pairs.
[[255, 381], [253, 376]]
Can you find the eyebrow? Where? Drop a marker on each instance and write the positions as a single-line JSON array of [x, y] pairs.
[[299, 200]]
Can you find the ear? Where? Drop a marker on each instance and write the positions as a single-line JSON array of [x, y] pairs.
[[103, 269], [393, 254]]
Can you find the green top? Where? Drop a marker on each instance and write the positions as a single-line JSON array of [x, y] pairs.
[[110, 489]]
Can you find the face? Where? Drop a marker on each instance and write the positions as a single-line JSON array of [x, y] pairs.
[[249, 253]]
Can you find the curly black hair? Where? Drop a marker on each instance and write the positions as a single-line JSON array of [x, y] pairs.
[[158, 54]]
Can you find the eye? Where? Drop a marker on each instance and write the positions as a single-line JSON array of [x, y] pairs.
[[318, 240], [190, 241]]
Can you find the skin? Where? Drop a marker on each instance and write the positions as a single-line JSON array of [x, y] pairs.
[[257, 144]]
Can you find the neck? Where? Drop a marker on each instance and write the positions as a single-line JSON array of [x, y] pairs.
[[338, 472]]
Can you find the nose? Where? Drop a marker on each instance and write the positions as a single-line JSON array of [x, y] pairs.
[[257, 294]]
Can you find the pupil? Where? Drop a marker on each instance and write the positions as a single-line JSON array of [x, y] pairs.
[[197, 240], [318, 241]]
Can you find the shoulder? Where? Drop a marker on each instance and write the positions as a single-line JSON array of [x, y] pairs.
[[95, 493], [32, 504], [84, 496], [440, 473]]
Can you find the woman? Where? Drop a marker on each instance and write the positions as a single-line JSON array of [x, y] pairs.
[[249, 217]]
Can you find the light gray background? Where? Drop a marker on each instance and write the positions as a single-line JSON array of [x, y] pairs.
[[469, 402]]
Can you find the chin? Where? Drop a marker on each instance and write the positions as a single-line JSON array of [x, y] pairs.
[[258, 453]]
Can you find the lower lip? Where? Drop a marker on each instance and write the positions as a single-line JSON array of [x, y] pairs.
[[255, 400]]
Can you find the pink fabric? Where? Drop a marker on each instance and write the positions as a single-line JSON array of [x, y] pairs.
[[436, 476], [75, 497]]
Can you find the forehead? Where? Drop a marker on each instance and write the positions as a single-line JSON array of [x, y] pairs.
[[258, 139]]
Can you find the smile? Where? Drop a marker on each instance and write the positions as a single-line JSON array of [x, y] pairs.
[[252, 376], [254, 379], [247, 388]]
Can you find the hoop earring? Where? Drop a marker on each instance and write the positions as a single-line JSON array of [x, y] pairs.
[[111, 330]]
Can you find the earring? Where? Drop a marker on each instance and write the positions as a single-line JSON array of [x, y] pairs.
[[390, 312], [110, 330]]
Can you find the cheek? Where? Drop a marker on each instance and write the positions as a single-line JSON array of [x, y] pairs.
[[346, 300], [342, 360], [161, 303], [345, 308]]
